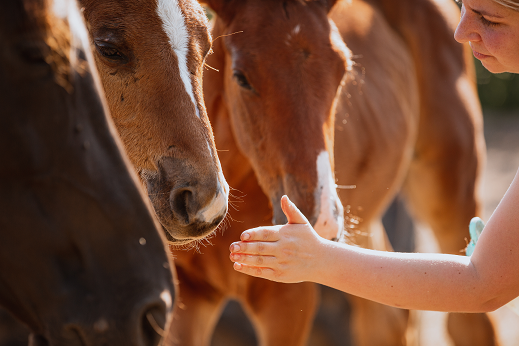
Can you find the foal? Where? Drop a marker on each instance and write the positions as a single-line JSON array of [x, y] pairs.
[[82, 261], [150, 55], [273, 112]]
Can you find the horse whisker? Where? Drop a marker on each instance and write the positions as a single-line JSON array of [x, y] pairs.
[[237, 32], [155, 325], [212, 68]]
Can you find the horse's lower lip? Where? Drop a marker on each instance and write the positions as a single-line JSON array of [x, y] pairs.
[[178, 242], [193, 232]]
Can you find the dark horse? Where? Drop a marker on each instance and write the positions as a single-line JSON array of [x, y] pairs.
[[81, 258]]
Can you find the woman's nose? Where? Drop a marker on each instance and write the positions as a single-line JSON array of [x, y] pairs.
[[466, 30]]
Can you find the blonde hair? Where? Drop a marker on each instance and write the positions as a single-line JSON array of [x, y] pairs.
[[512, 4]]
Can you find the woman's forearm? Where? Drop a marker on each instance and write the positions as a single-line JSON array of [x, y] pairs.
[[483, 282], [406, 280]]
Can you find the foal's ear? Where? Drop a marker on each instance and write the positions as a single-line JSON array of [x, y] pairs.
[[222, 8]]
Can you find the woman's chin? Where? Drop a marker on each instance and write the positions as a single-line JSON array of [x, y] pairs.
[[493, 68], [496, 67]]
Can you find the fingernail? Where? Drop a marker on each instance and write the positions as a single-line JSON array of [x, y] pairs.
[[236, 248], [237, 266], [245, 236]]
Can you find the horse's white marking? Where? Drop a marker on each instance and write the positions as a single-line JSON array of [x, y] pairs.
[[173, 22], [330, 222], [217, 207], [166, 297], [296, 30]]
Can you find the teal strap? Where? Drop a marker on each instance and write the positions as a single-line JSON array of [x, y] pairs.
[[475, 228]]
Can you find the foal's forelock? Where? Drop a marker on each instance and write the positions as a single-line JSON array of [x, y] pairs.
[[175, 27], [64, 32]]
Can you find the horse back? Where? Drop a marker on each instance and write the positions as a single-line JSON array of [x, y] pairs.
[[377, 112]]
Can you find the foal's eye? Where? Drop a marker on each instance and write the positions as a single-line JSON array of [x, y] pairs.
[[242, 80], [110, 52]]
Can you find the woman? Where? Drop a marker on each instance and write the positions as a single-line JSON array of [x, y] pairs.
[[480, 283], [492, 29]]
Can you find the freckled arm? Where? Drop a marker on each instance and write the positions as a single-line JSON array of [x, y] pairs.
[[483, 282]]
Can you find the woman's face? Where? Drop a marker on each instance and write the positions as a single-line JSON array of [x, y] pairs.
[[492, 31]]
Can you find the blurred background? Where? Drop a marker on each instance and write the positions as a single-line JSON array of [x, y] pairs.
[[497, 92]]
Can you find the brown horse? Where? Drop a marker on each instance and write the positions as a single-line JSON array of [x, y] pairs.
[[407, 117], [150, 57], [82, 261], [284, 132]]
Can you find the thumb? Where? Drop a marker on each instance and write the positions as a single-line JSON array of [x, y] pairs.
[[292, 213]]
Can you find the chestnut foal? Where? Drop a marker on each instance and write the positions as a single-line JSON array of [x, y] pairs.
[[405, 118], [150, 56], [273, 110]]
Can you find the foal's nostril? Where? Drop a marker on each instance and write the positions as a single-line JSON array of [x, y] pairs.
[[153, 325], [180, 201]]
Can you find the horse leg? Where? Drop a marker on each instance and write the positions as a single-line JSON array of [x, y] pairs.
[[441, 190], [479, 325], [375, 324], [399, 226], [281, 313], [196, 312], [389, 323]]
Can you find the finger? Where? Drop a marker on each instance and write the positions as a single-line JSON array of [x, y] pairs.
[[266, 273], [254, 248], [260, 234], [254, 260], [291, 211]]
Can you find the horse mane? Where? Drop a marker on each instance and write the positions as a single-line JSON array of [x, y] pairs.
[[56, 34]]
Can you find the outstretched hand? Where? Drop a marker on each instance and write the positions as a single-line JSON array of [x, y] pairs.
[[287, 253]]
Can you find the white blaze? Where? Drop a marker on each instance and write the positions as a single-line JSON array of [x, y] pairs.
[[217, 207], [174, 24], [330, 222]]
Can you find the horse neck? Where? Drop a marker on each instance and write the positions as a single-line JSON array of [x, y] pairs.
[[419, 18], [434, 19]]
